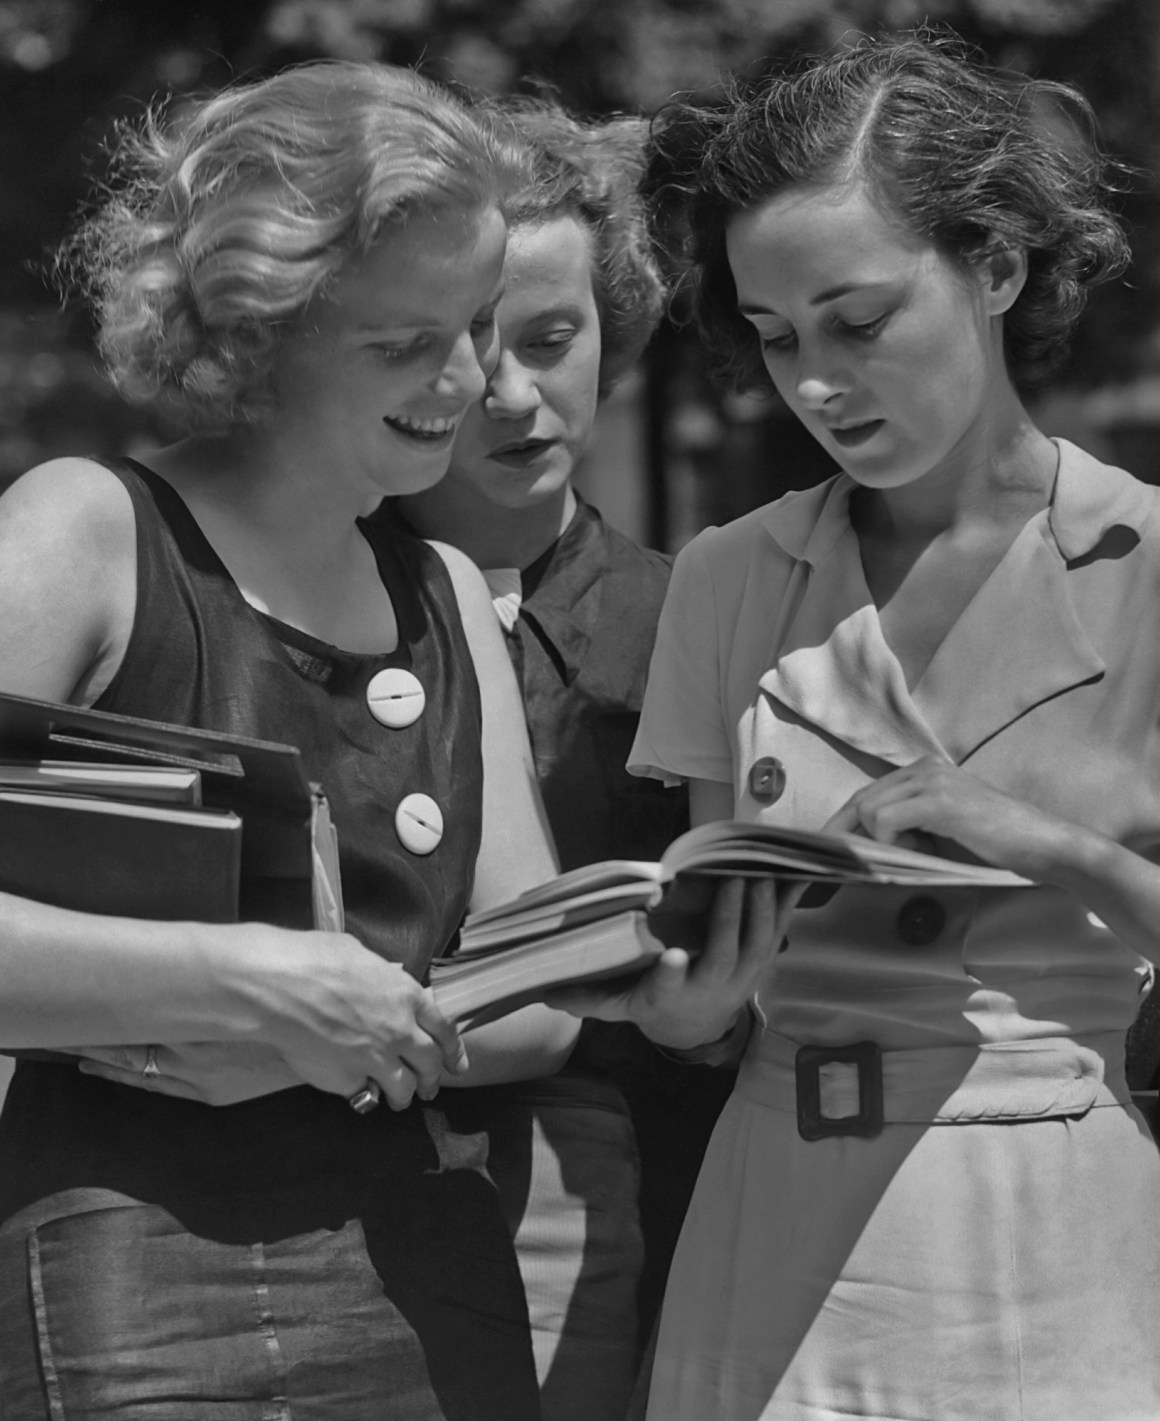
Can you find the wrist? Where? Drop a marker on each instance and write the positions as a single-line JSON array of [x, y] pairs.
[[726, 1050], [241, 968], [1078, 858]]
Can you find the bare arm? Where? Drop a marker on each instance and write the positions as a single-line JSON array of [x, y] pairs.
[[334, 1011], [1119, 886], [517, 850]]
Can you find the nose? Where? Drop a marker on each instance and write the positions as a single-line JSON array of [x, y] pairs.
[[461, 377], [512, 391], [819, 380]]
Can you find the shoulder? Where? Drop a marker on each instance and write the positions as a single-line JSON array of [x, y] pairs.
[[775, 533], [68, 572], [635, 577], [76, 503], [470, 592], [466, 578], [1092, 498]]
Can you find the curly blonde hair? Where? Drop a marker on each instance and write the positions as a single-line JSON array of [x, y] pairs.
[[591, 171], [223, 219]]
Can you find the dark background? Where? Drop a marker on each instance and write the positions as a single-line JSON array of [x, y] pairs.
[[672, 454]]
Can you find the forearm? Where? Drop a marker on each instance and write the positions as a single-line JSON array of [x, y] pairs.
[[1118, 886], [525, 1045], [69, 978]]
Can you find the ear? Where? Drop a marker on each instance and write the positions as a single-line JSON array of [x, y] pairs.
[[1002, 274]]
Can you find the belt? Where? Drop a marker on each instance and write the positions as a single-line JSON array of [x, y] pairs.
[[857, 1089]]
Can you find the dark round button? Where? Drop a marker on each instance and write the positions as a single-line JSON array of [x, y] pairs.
[[920, 920], [767, 779]]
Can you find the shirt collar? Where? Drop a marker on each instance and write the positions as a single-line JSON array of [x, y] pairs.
[[563, 587], [1090, 498]]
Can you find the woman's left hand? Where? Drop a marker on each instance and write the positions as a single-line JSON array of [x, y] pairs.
[[932, 796], [214, 1073], [685, 1001]]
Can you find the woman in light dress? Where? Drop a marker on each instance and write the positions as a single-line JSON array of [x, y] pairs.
[[953, 638]]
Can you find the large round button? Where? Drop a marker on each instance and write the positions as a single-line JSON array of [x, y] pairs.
[[767, 779], [419, 823], [920, 920], [396, 697]]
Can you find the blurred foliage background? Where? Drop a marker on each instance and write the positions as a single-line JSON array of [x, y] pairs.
[[671, 454]]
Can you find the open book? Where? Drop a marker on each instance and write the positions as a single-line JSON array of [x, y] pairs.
[[590, 923]]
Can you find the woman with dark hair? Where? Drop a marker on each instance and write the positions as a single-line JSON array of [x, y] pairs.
[[303, 273], [595, 1164], [930, 1196]]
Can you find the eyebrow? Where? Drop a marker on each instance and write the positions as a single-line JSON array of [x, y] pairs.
[[571, 310], [831, 293]]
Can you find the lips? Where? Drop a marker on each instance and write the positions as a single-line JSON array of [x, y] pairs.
[[521, 452], [851, 435], [426, 431]]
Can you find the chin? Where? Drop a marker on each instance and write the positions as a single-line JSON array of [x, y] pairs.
[[515, 492], [414, 480]]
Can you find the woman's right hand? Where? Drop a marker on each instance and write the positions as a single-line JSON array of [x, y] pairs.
[[686, 1001], [339, 1015]]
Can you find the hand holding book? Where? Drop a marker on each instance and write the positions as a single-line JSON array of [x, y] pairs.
[[690, 998], [590, 923]]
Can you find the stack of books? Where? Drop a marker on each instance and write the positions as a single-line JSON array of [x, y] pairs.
[[111, 814]]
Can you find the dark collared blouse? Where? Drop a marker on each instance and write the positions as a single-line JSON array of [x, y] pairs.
[[581, 650]]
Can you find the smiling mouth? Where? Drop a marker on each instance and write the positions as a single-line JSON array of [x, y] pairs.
[[426, 431]]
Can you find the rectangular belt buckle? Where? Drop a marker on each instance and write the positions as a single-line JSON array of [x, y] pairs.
[[868, 1122]]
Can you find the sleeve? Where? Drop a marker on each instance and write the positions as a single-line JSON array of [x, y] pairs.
[[682, 733]]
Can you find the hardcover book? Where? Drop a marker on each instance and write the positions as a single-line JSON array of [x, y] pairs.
[[244, 834], [591, 923]]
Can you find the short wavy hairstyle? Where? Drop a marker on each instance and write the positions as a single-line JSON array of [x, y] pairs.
[[224, 218], [591, 171], [971, 158]]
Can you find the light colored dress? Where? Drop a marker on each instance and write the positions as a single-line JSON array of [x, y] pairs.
[[993, 1253]]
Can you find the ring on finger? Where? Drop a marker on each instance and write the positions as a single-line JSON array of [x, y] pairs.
[[366, 1099]]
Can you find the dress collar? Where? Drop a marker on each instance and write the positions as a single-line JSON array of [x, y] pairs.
[[836, 671]]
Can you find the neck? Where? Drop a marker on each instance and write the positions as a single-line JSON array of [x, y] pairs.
[[1002, 475], [240, 476], [490, 535]]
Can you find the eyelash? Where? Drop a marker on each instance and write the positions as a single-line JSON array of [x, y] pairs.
[[867, 330], [552, 341], [397, 352]]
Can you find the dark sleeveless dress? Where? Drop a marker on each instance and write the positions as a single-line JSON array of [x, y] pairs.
[[365, 1257]]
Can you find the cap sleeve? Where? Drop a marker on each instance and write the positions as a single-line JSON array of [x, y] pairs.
[[683, 733]]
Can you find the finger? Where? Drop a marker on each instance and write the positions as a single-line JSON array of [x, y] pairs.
[[767, 906], [611, 1002], [719, 959], [427, 1070], [846, 820], [890, 822], [399, 1085], [444, 1033], [121, 1058], [156, 1085]]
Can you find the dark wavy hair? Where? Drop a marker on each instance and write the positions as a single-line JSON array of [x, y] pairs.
[[591, 171], [972, 159]]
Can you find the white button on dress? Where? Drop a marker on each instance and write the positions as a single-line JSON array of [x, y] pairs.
[[419, 823], [396, 697]]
